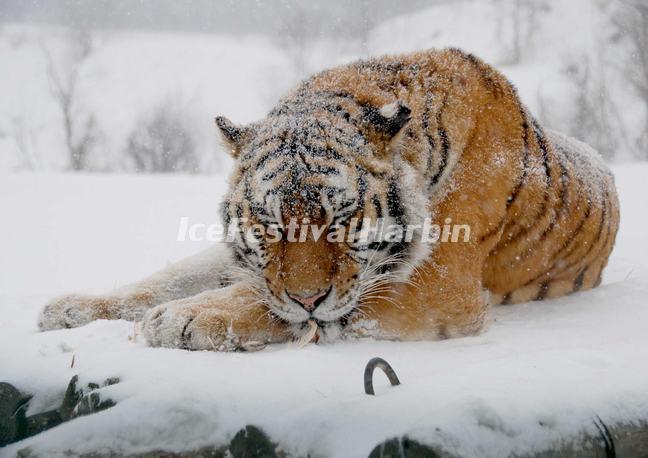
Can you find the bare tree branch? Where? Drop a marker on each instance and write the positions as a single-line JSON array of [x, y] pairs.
[[80, 131], [631, 22], [162, 142]]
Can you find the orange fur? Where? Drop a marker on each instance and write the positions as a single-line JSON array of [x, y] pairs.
[[543, 212], [547, 242]]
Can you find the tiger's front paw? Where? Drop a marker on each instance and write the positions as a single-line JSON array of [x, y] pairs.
[[179, 325], [76, 310]]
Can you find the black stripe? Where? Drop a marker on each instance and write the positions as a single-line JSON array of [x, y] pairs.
[[362, 187], [544, 148], [283, 150], [569, 245], [558, 209], [562, 204], [238, 258], [394, 204], [564, 179], [225, 210], [355, 248], [542, 293], [345, 204], [324, 170], [271, 175], [486, 73], [290, 149], [604, 218], [255, 209], [377, 205], [540, 215], [326, 153], [258, 144], [354, 140], [525, 160], [578, 281], [581, 224], [397, 211], [425, 122], [247, 190], [445, 146], [246, 250], [575, 163], [517, 188], [379, 246], [343, 218], [612, 229]]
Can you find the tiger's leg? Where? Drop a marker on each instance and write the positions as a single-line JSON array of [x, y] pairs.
[[444, 298], [208, 269], [224, 319]]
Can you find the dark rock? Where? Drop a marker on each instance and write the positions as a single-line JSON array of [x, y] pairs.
[[13, 405], [251, 442], [403, 448]]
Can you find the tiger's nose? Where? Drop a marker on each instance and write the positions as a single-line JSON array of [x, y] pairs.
[[310, 301]]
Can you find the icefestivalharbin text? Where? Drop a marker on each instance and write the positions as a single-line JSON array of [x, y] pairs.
[[356, 230]]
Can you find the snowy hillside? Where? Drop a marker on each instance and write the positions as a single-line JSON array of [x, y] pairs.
[[539, 374], [568, 60], [128, 75]]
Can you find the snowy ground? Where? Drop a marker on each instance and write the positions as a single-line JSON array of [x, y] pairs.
[[556, 363]]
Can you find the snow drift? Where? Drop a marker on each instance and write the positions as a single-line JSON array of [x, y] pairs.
[[538, 375]]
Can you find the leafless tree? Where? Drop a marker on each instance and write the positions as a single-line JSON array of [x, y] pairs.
[[25, 144], [80, 129], [595, 118], [522, 17], [631, 21], [299, 31], [162, 142]]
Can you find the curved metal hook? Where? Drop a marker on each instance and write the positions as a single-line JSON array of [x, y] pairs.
[[369, 370]]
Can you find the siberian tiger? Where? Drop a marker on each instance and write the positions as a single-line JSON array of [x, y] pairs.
[[435, 134]]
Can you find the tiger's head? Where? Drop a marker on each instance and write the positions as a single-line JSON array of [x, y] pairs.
[[307, 180]]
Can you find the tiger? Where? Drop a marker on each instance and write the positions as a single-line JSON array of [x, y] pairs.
[[436, 134]]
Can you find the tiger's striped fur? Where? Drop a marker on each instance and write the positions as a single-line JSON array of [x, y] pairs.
[[543, 209], [438, 134]]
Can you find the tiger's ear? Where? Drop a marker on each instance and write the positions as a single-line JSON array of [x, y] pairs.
[[233, 136], [389, 119]]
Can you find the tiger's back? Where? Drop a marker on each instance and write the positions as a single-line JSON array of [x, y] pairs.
[[565, 245], [547, 221]]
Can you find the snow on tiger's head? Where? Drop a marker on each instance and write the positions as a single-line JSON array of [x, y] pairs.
[[306, 178]]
